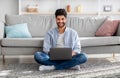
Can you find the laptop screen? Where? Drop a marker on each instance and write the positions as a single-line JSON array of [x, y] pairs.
[[60, 53]]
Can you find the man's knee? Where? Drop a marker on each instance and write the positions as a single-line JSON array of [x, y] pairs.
[[85, 57], [82, 57], [40, 56], [37, 54]]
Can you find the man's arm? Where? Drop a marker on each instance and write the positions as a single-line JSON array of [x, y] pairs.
[[77, 45], [46, 44]]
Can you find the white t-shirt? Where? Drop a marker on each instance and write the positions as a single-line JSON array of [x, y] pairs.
[[60, 41]]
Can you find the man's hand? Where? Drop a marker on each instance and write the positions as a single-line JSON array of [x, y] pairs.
[[74, 53]]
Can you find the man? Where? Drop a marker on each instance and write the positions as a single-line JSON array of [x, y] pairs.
[[61, 36]]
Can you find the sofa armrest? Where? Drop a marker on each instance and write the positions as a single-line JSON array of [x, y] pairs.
[[1, 29]]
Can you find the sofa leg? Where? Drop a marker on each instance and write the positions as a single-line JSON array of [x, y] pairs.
[[113, 55], [113, 58], [3, 57]]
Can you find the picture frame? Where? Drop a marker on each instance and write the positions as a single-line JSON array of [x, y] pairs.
[[107, 8]]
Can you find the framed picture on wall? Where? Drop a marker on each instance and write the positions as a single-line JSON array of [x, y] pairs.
[[107, 8]]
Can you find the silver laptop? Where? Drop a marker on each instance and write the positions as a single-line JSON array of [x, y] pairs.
[[60, 53]]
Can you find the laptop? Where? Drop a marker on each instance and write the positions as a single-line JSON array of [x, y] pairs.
[[60, 53]]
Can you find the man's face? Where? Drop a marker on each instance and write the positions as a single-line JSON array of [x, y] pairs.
[[61, 20]]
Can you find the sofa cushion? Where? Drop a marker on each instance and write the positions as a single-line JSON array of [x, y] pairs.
[[17, 31], [109, 49], [99, 41], [85, 26], [38, 24], [108, 28], [20, 50], [22, 42]]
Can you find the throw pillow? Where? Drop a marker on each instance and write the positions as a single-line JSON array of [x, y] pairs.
[[108, 28], [17, 31]]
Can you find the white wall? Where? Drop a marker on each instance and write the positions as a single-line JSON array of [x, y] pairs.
[[8, 7], [87, 5], [11, 6]]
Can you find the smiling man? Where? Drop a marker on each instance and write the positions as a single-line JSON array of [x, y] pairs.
[[61, 36]]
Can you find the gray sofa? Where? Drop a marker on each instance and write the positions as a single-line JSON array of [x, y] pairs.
[[39, 24]]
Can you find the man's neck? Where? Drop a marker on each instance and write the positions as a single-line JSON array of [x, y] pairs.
[[61, 29]]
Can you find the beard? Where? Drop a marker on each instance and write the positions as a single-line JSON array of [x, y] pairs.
[[61, 24]]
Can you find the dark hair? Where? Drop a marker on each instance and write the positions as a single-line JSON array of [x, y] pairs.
[[60, 12]]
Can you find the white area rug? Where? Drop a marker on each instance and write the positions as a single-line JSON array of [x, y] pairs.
[[93, 68]]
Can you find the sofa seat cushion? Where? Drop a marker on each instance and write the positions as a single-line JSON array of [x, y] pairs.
[[20, 50], [22, 42], [99, 41]]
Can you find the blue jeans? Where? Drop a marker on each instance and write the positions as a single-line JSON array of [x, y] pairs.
[[44, 59]]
